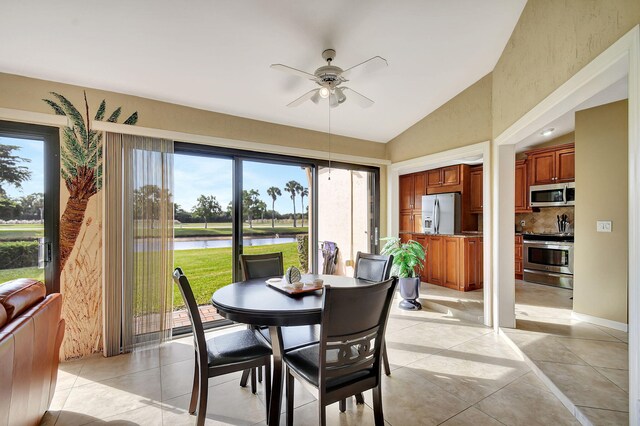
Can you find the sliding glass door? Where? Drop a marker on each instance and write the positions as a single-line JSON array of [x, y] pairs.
[[203, 229], [275, 210], [29, 203], [347, 217], [230, 202]]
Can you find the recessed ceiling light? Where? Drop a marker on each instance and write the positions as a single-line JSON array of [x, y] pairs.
[[547, 132]]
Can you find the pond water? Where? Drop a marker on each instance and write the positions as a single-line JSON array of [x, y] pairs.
[[247, 242]]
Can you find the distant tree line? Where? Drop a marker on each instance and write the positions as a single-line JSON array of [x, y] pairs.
[[208, 208], [14, 172]]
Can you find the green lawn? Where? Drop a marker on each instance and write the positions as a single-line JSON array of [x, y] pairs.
[[210, 269], [12, 274]]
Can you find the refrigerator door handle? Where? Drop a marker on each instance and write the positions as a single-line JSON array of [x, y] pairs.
[[436, 216]]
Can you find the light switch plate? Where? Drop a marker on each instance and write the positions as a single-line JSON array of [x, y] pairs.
[[603, 226]]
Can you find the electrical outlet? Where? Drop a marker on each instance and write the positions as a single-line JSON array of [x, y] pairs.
[[522, 222], [603, 226]]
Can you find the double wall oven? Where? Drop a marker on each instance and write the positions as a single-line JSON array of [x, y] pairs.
[[548, 259]]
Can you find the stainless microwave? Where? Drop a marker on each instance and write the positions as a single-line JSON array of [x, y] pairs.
[[556, 194]]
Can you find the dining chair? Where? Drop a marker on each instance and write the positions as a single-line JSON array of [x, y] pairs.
[[375, 267], [266, 266], [220, 355], [347, 359]]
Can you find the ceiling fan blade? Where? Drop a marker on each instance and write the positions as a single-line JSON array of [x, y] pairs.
[[358, 98], [309, 95], [293, 71], [370, 65]]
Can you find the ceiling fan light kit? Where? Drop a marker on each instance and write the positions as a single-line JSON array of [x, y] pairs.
[[329, 77]]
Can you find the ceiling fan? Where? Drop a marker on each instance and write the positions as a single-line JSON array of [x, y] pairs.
[[329, 77]]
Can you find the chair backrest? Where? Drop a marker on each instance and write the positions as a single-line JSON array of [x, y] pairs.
[[353, 324], [261, 265], [373, 267], [194, 316]]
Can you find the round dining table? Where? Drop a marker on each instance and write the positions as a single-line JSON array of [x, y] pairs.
[[255, 303]]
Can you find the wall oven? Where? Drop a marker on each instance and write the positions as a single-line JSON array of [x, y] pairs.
[[548, 259], [554, 195]]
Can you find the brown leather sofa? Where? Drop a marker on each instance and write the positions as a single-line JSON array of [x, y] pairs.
[[31, 332]]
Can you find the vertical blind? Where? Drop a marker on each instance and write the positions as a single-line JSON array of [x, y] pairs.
[[138, 241]]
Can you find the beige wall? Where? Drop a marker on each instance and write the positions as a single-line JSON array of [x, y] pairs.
[[552, 41], [464, 120], [601, 178], [25, 93]]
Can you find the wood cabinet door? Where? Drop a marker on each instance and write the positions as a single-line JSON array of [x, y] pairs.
[[565, 165], [519, 269], [471, 272], [476, 191], [452, 266], [450, 175], [435, 260], [521, 186], [422, 239], [417, 222], [406, 222], [434, 177], [406, 192], [542, 168], [404, 238], [419, 189]]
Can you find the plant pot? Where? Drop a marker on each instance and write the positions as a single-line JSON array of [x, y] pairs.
[[410, 291]]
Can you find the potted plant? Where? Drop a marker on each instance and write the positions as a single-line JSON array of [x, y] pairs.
[[408, 262]]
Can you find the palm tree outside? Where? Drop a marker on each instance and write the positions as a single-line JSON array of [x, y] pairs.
[[273, 192], [304, 192], [292, 188]]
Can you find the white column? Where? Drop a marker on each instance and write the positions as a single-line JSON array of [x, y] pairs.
[[503, 236]]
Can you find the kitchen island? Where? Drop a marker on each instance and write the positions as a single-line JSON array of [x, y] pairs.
[[452, 261]]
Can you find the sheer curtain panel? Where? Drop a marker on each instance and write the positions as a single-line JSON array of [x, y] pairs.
[[140, 243]]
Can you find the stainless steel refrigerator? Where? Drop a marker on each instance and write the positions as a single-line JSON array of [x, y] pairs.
[[441, 213]]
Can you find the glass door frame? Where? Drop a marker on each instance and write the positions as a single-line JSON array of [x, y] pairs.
[[50, 136], [238, 156]]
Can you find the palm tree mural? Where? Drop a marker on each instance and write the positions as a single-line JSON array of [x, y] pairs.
[[292, 188], [273, 192], [80, 164], [304, 192]]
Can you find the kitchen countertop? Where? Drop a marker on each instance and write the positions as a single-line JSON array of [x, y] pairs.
[[466, 234]]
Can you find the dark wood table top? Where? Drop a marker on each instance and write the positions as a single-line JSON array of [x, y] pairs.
[[254, 302]]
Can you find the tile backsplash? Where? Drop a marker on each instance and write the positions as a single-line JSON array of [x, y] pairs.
[[545, 220]]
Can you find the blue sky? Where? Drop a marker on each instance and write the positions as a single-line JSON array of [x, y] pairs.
[[33, 150], [194, 176]]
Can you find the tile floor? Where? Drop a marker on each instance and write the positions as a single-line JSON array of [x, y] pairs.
[[588, 364], [445, 371]]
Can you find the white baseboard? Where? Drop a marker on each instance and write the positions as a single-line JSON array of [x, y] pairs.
[[600, 321]]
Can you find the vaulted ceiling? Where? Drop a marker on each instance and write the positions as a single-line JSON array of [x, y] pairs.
[[215, 55]]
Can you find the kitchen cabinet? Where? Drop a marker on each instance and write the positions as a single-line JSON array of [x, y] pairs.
[[476, 190], [422, 239], [443, 179], [472, 272], [521, 184], [522, 187], [551, 165], [411, 188], [454, 262], [435, 259], [518, 257]]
